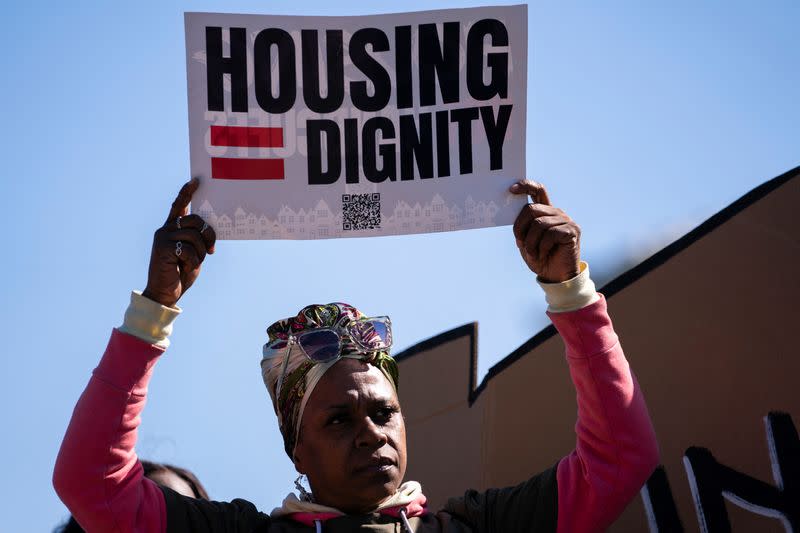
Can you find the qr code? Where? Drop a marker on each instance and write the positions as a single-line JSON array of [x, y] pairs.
[[361, 211]]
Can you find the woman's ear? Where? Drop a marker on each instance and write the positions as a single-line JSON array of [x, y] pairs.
[[297, 457], [298, 465]]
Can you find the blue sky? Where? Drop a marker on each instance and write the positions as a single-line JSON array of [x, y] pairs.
[[643, 120]]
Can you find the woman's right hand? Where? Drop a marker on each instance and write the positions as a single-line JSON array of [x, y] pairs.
[[179, 248]]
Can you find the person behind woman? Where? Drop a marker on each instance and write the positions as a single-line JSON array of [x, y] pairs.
[[334, 389], [179, 479], [176, 478]]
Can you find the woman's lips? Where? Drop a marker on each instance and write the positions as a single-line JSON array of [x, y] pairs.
[[379, 464]]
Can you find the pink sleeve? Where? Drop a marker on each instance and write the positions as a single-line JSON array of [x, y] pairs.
[[616, 448], [97, 474]]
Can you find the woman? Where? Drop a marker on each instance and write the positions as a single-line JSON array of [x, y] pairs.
[[334, 388]]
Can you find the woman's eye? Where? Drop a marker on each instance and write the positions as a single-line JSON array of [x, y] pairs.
[[337, 420], [385, 414]]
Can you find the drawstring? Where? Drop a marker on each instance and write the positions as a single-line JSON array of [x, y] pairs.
[[405, 521], [406, 524]]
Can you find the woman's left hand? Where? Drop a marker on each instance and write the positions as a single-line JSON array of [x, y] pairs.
[[547, 238]]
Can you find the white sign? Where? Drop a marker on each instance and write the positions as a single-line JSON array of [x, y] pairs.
[[320, 127]]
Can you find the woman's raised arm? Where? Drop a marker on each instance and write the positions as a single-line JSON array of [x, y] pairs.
[[97, 473], [616, 448]]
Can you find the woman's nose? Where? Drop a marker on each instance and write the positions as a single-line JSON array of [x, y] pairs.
[[370, 434]]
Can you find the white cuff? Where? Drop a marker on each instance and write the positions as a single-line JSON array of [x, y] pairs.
[[149, 320], [572, 294]]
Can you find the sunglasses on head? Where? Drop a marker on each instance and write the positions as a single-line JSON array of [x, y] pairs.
[[323, 345]]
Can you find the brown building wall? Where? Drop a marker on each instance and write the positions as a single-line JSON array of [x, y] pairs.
[[709, 326]]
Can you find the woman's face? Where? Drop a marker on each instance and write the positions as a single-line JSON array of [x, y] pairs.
[[352, 443]]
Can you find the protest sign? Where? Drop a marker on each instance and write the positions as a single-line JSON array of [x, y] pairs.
[[317, 127]]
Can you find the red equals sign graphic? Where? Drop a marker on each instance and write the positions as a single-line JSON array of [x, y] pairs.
[[230, 168]]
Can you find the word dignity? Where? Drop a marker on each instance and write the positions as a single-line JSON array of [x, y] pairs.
[[275, 82]]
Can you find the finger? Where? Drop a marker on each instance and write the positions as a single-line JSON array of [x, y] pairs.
[[521, 223], [189, 257], [528, 213], [180, 206], [206, 231], [189, 236], [536, 231], [554, 237], [535, 190]]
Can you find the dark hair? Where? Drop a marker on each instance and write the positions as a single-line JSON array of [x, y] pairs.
[[197, 487], [71, 526], [150, 468]]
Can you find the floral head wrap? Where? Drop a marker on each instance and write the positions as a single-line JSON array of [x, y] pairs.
[[302, 375]]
